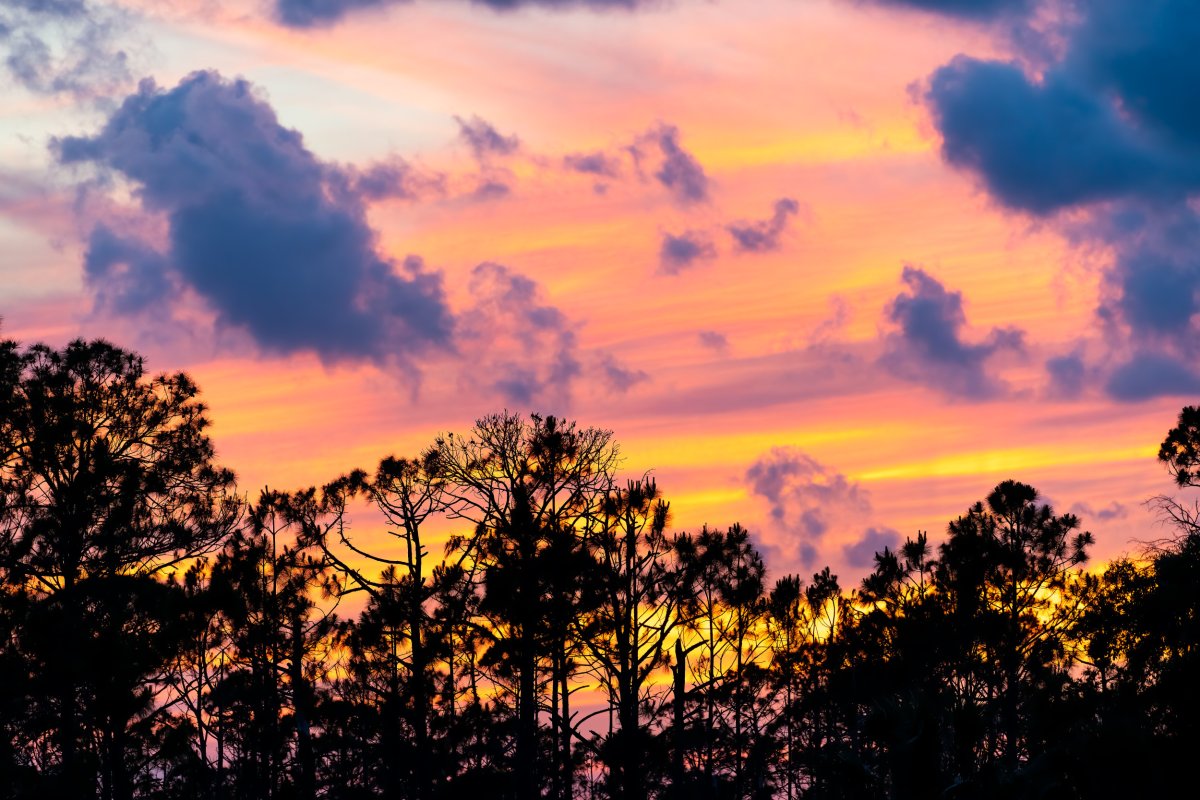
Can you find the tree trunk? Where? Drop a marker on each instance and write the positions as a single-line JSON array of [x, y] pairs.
[[302, 700], [678, 775], [419, 677], [527, 778], [568, 771]]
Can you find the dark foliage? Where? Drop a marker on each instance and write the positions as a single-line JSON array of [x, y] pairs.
[[160, 638]]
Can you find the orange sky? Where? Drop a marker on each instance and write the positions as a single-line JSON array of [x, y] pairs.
[[806, 100]]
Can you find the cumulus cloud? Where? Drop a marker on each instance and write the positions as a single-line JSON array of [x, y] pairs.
[[1142, 54], [683, 251], [1154, 281], [763, 235], [523, 349], [831, 326], [597, 163], [273, 240], [617, 377], [1067, 374], [1113, 118], [1041, 147], [126, 275], [861, 554], [928, 346], [966, 9], [315, 13], [675, 168], [484, 140], [1146, 375], [1150, 300], [488, 146], [65, 46], [491, 188], [519, 345], [1108, 131], [714, 340], [394, 178], [806, 500], [1113, 510]]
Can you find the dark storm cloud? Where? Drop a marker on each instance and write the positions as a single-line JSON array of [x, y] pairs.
[[1147, 375], [1157, 296], [64, 46], [62, 8], [1114, 118], [677, 253], [1142, 54], [1040, 148], [965, 9], [763, 235], [315, 13], [861, 554], [484, 140], [126, 275], [1151, 296], [1150, 303], [929, 347], [1067, 375], [1154, 281], [1110, 131], [269, 236]]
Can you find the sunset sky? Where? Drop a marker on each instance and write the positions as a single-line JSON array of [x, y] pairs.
[[829, 268]]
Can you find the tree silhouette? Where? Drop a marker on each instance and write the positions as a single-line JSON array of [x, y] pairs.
[[1180, 450], [162, 639], [1004, 568], [1139, 638], [905, 647], [107, 480], [723, 575], [527, 488], [279, 644], [633, 616], [396, 642]]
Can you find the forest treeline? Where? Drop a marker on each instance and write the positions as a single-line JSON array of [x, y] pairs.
[[164, 636]]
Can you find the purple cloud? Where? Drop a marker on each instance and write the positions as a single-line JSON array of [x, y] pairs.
[[684, 251], [272, 239], [928, 346], [763, 235]]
